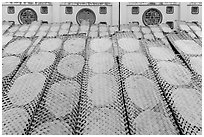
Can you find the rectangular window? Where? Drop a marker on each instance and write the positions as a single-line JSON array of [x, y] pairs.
[[171, 24], [10, 10], [136, 22], [169, 10], [68, 10], [44, 10], [194, 10], [135, 10], [103, 10]]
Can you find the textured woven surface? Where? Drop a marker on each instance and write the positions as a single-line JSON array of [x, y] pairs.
[[26, 88], [14, 121], [55, 127], [96, 80], [173, 74], [18, 46], [9, 64], [40, 61]]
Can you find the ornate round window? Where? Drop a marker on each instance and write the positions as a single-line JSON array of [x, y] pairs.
[[152, 17], [86, 15], [26, 16]]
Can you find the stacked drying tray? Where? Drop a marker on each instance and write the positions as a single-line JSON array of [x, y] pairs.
[[64, 29], [103, 30], [179, 87], [101, 108], [34, 26], [5, 26], [194, 32], [136, 30], [147, 113], [94, 31], [147, 33], [13, 55], [191, 52], [54, 29], [24, 97]]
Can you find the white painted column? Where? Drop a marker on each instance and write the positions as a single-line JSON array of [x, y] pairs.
[[123, 13], [56, 12], [183, 14], [115, 13]]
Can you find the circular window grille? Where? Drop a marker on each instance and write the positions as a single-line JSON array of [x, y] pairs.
[[86, 15], [152, 17], [26, 16]]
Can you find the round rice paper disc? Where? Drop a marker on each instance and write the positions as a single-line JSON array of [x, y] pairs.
[[195, 28], [55, 28], [93, 34], [103, 33], [40, 61], [41, 33], [65, 26], [84, 28], [188, 46], [159, 35], [18, 46], [44, 27], [136, 29], [135, 62], [166, 29], [184, 27], [148, 36], [174, 73], [138, 35], [104, 121], [71, 65], [94, 28], [142, 91], [74, 28], [30, 34], [52, 34], [103, 28], [161, 53], [196, 64], [74, 45], [5, 26], [101, 89], [24, 27], [153, 123], [6, 39], [14, 121], [14, 28], [155, 29], [188, 103], [192, 35], [50, 44], [101, 62], [113, 29], [55, 127], [33, 27], [100, 44], [20, 33], [26, 88], [146, 30], [198, 33], [9, 64], [63, 97], [63, 32], [129, 44]]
